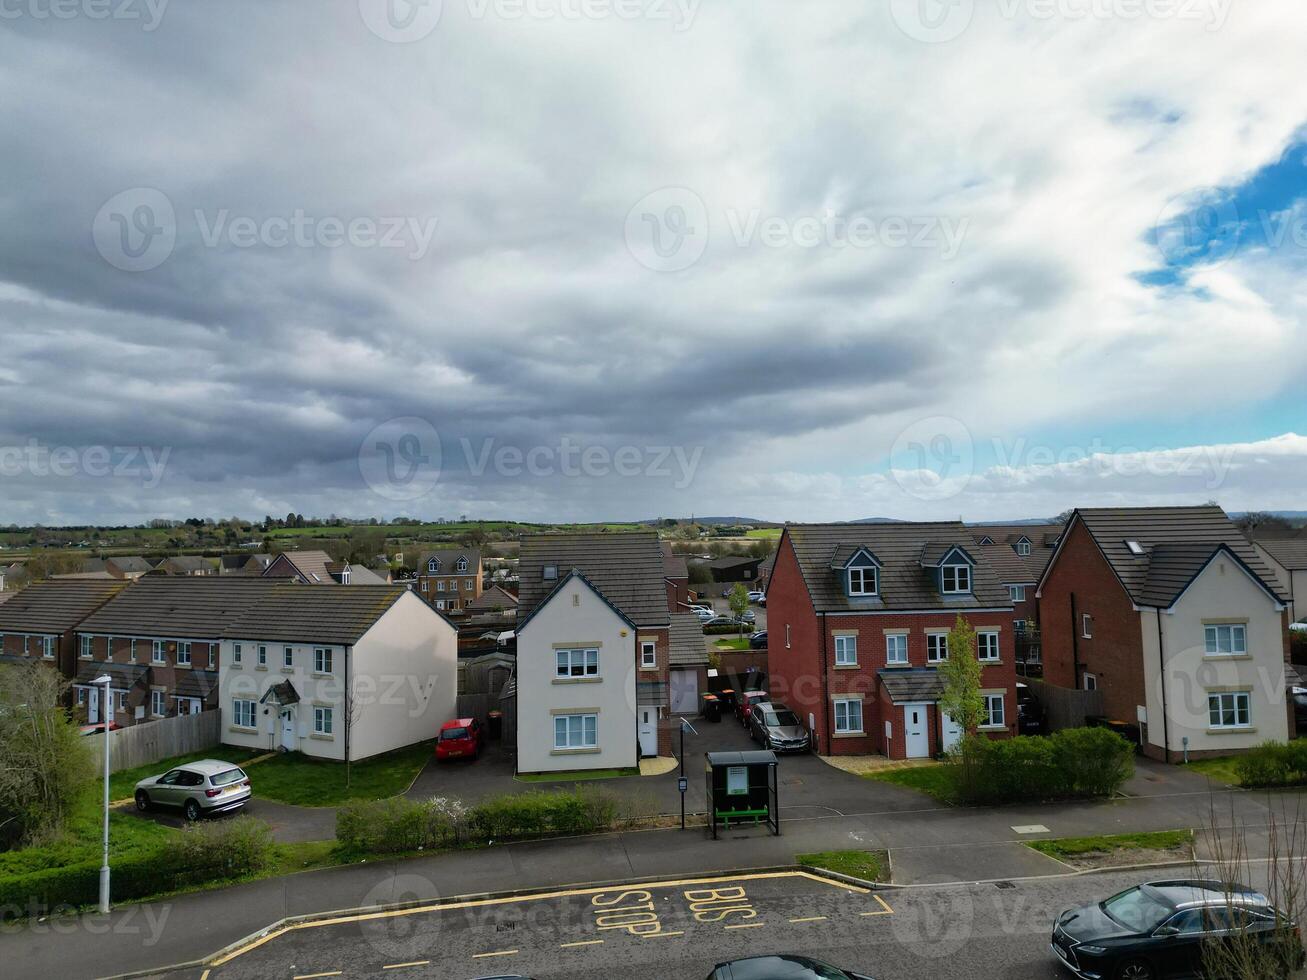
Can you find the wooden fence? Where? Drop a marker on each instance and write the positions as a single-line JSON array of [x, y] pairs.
[[1065, 707], [139, 745]]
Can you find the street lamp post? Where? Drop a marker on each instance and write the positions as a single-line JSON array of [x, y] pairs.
[[103, 682]]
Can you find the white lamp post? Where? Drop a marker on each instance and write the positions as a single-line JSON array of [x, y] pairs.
[[103, 682]]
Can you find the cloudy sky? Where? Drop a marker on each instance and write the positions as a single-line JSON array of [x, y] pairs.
[[613, 259]]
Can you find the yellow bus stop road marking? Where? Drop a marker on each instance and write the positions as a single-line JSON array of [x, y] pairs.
[[400, 966], [811, 918], [587, 942], [517, 899], [748, 925], [502, 952], [315, 976], [884, 907], [661, 935]]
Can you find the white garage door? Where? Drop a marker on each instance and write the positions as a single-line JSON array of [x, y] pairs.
[[685, 692]]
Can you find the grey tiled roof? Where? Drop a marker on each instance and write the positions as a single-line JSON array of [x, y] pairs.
[[293, 613], [124, 675], [312, 566], [130, 564], [196, 683], [904, 583], [190, 563], [495, 597], [651, 692], [912, 684], [1289, 552], [178, 606], [1179, 540], [362, 575], [1011, 567], [673, 564], [449, 561], [57, 605], [626, 568], [689, 647]]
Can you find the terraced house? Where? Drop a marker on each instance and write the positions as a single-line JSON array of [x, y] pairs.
[[858, 623], [603, 662], [449, 579], [1172, 615]]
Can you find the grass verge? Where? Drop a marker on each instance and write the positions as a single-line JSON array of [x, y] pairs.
[[935, 781], [1079, 847], [1220, 769], [867, 865], [736, 643], [301, 781], [575, 776], [128, 834]]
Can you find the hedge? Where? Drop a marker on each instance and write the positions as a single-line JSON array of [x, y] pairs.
[[400, 825], [202, 854], [1069, 764], [1274, 764]]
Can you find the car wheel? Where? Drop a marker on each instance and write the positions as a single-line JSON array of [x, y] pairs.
[[1135, 970], [191, 811], [142, 800]]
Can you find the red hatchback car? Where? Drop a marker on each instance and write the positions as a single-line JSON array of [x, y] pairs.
[[462, 738], [745, 702]]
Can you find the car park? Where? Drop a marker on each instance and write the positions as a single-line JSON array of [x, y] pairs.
[[776, 727], [198, 789], [758, 640], [781, 967], [745, 702], [461, 738], [1160, 929], [703, 612]]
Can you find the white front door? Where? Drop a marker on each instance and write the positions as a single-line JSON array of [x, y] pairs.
[[685, 692], [93, 706], [950, 731], [288, 739], [648, 731], [915, 731]]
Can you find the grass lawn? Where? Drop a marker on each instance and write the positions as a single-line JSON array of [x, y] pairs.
[[1070, 847], [936, 781], [296, 779], [575, 776], [127, 834], [122, 784], [867, 865], [1219, 768], [736, 643]]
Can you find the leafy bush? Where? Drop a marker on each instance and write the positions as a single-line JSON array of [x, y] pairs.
[[1273, 764], [1077, 762], [397, 825]]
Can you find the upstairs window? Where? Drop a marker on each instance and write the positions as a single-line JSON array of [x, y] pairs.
[[183, 654], [955, 579], [462, 565], [1226, 640], [987, 646], [896, 648], [936, 647], [1017, 593], [846, 651], [156, 652], [863, 580], [1135, 548], [1023, 547], [577, 663], [433, 565]]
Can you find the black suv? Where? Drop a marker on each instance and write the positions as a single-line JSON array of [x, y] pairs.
[[781, 968], [1159, 929]]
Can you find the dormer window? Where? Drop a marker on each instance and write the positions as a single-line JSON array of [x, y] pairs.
[[462, 565], [1135, 548], [986, 540], [955, 579], [1023, 546], [433, 566], [863, 580]]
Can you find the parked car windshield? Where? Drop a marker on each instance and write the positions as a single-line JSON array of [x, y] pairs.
[[1136, 909], [784, 719], [227, 776], [453, 733]]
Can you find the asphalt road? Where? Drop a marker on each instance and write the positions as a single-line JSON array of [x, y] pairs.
[[678, 930]]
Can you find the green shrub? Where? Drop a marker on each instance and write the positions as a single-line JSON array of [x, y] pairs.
[[1080, 762], [1093, 761], [1296, 756], [1268, 764], [398, 825]]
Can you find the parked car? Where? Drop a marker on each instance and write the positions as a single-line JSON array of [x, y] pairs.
[[703, 612], [1299, 695], [758, 640], [198, 788], [1030, 713], [757, 596], [748, 617], [461, 738], [1158, 929], [97, 728], [776, 727], [745, 702], [781, 968]]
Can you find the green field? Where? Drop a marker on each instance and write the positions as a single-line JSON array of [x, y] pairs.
[[765, 533]]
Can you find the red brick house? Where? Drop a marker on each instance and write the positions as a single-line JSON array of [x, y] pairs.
[[1171, 614], [1019, 553], [858, 619]]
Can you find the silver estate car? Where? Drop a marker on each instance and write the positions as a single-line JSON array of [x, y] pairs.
[[198, 788], [777, 728]]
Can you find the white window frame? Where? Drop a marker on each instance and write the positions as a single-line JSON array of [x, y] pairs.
[[261, 659], [1086, 626], [893, 643], [81, 695], [648, 654], [433, 566], [193, 705], [213, 656], [183, 653], [987, 638], [322, 660], [158, 702], [158, 652], [1212, 639], [1089, 682], [440, 585], [939, 640], [236, 654], [846, 728], [424, 584], [1017, 593], [995, 718], [86, 651], [579, 731], [453, 585], [287, 658], [462, 565], [1239, 702], [1023, 548], [861, 574], [578, 662], [242, 713], [470, 585], [324, 720], [960, 571], [846, 651], [47, 647]]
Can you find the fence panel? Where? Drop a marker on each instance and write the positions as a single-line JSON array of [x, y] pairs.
[[1063, 706], [139, 745]]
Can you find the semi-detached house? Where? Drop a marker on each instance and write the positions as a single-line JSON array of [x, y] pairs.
[[1172, 615], [858, 623]]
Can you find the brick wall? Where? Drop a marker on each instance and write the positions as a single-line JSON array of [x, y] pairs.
[[793, 667], [1114, 654]]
